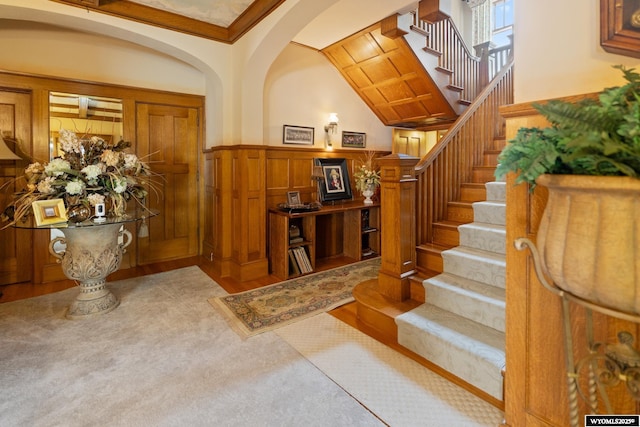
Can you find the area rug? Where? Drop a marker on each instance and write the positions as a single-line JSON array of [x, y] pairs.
[[270, 307], [163, 358]]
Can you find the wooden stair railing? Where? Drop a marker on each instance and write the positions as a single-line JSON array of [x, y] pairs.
[[469, 73], [449, 164]]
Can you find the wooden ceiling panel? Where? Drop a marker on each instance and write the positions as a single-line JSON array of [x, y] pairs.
[[362, 48], [419, 86], [359, 78], [432, 106], [340, 57], [380, 70], [388, 115], [411, 111], [373, 97], [386, 44], [396, 91], [404, 65], [389, 77]]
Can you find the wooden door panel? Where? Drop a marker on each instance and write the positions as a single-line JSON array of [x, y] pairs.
[[16, 262], [167, 137], [409, 142]]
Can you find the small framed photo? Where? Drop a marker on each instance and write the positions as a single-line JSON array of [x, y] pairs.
[[354, 139], [335, 185], [297, 135], [293, 198], [48, 212]]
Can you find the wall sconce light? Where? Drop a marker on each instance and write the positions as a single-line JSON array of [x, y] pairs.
[[331, 126], [5, 152]]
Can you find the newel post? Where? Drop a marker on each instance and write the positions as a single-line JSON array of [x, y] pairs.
[[482, 51], [398, 228]]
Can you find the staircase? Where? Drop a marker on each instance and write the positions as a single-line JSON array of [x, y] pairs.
[[454, 316], [461, 326]]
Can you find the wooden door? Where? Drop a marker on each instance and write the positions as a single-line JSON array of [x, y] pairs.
[[167, 138], [15, 245], [410, 142]]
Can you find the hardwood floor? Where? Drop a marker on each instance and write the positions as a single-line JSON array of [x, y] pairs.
[[19, 291], [346, 313]]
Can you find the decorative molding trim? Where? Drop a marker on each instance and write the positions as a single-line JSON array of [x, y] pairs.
[[124, 9]]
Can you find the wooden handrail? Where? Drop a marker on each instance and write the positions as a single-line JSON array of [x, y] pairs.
[[469, 72], [450, 163]]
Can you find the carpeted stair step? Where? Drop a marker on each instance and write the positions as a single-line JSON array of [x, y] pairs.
[[490, 212], [496, 191], [488, 237], [468, 350], [476, 301], [476, 264]]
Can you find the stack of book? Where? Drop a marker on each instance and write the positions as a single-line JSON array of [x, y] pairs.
[[299, 261]]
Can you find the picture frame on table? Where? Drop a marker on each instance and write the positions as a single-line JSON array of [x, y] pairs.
[[354, 139], [293, 198], [300, 135], [49, 212], [336, 184]]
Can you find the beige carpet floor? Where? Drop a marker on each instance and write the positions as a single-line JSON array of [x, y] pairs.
[[400, 391], [165, 357]]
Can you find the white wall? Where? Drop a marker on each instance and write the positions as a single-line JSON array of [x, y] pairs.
[[232, 77], [44, 49], [303, 87], [557, 50]]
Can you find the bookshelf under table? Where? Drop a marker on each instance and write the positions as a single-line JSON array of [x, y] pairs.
[[348, 229]]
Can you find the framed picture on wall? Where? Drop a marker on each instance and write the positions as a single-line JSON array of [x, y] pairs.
[[335, 183], [297, 135], [620, 27], [354, 139]]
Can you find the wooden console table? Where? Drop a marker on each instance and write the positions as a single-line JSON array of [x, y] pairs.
[[350, 229]]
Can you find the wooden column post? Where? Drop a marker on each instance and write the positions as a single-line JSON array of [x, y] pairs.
[[430, 11], [482, 51], [398, 212]]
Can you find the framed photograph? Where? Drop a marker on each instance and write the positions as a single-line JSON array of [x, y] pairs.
[[620, 27], [47, 212], [297, 135], [354, 139], [293, 198], [335, 185]]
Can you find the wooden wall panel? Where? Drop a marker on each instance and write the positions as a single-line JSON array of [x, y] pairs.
[[16, 257], [535, 378], [44, 267], [275, 178]]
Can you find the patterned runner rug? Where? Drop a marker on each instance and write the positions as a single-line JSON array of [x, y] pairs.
[[270, 307]]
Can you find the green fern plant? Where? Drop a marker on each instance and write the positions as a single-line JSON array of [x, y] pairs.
[[588, 137]]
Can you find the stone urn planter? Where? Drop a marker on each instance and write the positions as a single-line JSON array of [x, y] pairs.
[[589, 238], [91, 254]]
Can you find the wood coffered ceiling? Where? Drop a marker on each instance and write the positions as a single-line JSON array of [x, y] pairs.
[[178, 15], [389, 77]]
